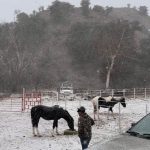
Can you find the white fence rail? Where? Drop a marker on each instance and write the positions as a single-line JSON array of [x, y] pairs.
[[143, 93]]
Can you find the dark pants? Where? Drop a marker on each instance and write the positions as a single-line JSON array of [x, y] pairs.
[[85, 142]]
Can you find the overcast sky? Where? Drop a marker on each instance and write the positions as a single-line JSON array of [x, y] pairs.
[[7, 7]]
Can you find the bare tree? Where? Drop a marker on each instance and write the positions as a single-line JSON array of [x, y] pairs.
[[114, 41], [113, 57]]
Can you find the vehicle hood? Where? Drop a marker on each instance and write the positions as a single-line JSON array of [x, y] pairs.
[[124, 142]]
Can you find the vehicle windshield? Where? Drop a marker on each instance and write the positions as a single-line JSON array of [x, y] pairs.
[[66, 89], [142, 127]]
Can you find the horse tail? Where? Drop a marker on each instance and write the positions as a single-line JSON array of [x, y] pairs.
[[32, 112], [95, 103], [34, 116]]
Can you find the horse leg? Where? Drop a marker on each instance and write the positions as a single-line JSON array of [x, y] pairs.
[[108, 113], [94, 115], [57, 127], [35, 122], [35, 117], [53, 128], [95, 111], [112, 112], [33, 131], [98, 109], [55, 124], [35, 128]]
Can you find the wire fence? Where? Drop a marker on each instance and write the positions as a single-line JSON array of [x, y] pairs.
[[137, 100], [128, 93]]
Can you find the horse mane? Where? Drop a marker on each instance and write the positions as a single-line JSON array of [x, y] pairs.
[[67, 116], [120, 100]]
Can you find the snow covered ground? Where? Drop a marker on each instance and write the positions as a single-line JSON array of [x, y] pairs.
[[16, 129]]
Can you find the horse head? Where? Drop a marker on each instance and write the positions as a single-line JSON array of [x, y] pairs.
[[122, 101], [69, 119]]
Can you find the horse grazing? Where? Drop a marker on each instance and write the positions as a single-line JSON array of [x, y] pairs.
[[107, 102], [50, 113]]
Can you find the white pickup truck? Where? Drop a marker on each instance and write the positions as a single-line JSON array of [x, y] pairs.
[[66, 90]]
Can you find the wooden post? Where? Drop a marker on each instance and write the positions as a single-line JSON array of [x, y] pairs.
[[134, 93], [11, 103], [145, 96], [23, 99], [57, 94]]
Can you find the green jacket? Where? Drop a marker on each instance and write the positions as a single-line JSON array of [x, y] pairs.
[[85, 123]]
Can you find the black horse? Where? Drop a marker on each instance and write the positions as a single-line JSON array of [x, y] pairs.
[[50, 113], [107, 102]]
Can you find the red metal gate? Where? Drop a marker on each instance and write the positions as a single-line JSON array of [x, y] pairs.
[[30, 99]]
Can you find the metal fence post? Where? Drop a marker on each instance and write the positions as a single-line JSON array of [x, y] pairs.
[[124, 93], [100, 93], [65, 102], [23, 99], [146, 109], [119, 119], [98, 119], [11, 103]]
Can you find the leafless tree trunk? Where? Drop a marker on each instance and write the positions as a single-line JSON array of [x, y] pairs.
[[113, 57], [109, 71]]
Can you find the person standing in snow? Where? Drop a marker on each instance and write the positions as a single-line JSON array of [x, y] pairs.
[[85, 123]]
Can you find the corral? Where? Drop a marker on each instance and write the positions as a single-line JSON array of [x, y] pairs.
[[16, 128]]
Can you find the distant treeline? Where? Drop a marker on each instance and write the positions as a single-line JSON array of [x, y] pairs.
[[91, 47]]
